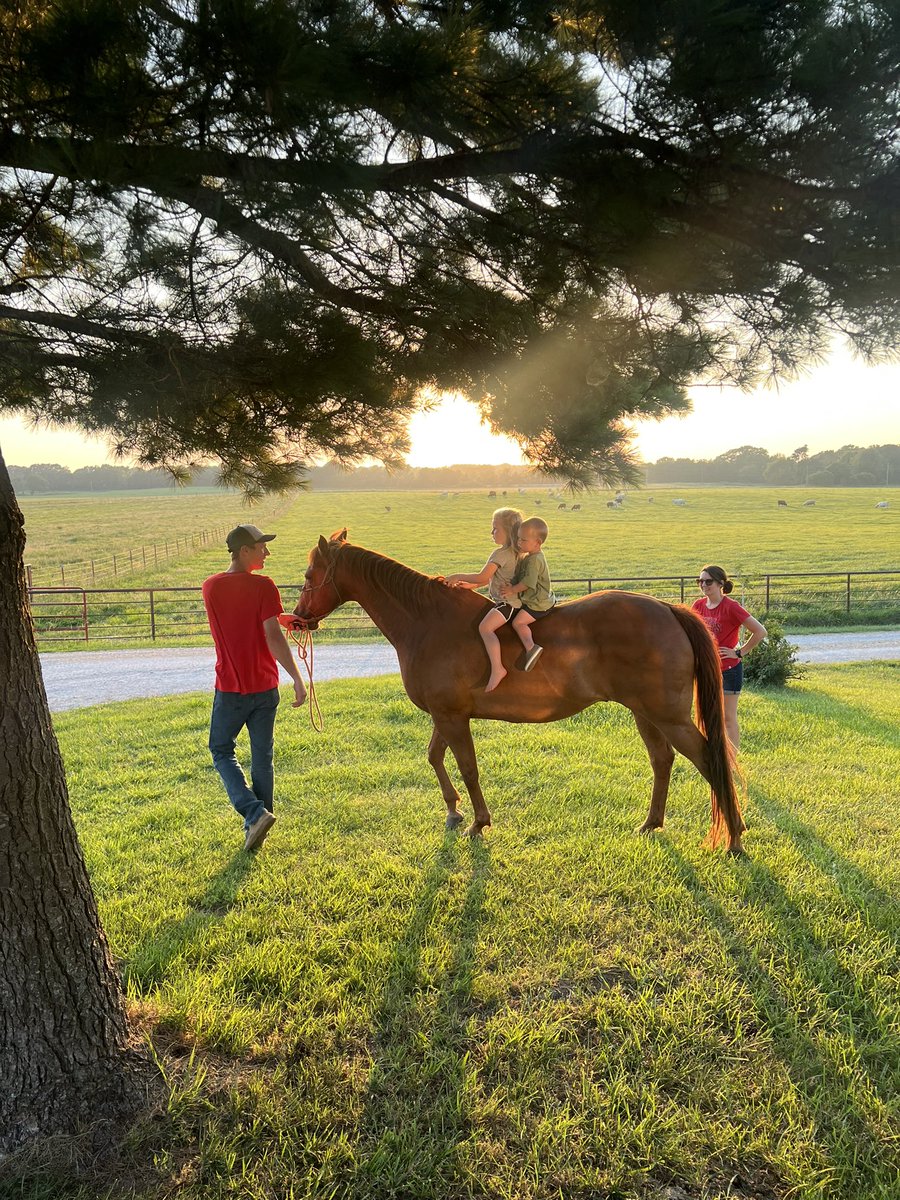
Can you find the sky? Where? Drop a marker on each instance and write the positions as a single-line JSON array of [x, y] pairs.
[[838, 403]]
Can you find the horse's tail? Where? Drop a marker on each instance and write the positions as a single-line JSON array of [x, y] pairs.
[[724, 804]]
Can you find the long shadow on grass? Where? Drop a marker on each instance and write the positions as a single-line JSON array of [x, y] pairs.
[[147, 963], [836, 714], [877, 907], [413, 1117], [830, 1083]]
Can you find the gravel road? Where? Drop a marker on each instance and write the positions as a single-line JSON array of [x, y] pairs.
[[79, 680]]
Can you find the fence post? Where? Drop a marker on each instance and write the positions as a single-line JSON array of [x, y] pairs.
[[848, 591], [84, 614], [682, 589], [62, 573], [115, 566], [768, 580], [144, 553], [93, 573], [155, 559], [28, 582], [152, 618]]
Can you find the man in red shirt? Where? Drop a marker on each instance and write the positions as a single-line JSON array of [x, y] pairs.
[[243, 611]]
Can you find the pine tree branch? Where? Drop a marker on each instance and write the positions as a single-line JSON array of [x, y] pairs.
[[548, 155], [77, 325]]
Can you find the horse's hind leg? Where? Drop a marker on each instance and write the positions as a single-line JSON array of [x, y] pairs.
[[662, 756], [437, 748], [455, 733]]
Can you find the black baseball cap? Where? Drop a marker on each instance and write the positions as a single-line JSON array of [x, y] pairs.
[[246, 535]]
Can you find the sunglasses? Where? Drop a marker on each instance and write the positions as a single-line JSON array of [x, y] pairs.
[[705, 582]]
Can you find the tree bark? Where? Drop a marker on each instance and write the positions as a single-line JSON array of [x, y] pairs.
[[64, 1059]]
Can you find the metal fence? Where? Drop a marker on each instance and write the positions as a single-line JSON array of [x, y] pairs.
[[66, 615], [145, 557]]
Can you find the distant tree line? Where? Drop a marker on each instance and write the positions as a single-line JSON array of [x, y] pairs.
[[851, 466]]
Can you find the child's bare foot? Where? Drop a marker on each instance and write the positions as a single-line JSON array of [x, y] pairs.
[[496, 678]]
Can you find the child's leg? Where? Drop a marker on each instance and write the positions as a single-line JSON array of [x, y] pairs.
[[488, 627], [522, 623]]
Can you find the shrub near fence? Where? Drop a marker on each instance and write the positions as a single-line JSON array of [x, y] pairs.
[[67, 615]]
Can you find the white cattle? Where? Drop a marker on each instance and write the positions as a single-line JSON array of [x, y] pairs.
[[882, 504], [680, 503], [809, 503]]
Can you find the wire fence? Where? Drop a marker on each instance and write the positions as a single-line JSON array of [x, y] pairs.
[[111, 566], [74, 614]]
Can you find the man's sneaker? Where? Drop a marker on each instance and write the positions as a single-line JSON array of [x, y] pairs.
[[532, 656], [256, 834]]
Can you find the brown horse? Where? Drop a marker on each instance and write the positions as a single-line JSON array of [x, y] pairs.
[[642, 653]]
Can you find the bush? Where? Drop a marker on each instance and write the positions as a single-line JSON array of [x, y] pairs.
[[774, 661]]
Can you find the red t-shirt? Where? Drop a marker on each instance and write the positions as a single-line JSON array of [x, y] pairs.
[[237, 604], [724, 621]]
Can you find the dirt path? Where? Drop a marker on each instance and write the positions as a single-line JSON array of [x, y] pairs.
[[79, 680]]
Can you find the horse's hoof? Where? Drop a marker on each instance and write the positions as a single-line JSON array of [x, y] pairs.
[[474, 831], [454, 819], [650, 827], [736, 852]]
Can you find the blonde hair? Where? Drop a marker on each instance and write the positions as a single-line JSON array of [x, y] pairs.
[[539, 525], [509, 520]]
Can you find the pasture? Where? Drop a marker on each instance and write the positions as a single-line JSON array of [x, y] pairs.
[[744, 529], [374, 1008]]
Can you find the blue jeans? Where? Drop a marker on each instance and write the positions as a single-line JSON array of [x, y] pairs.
[[230, 713]]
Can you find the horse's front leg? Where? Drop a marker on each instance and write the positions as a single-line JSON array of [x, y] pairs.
[[457, 735], [437, 748], [662, 756]]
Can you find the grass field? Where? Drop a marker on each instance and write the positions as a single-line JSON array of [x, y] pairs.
[[743, 529], [371, 1008], [740, 527]]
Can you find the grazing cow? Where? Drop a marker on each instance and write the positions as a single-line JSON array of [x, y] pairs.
[[613, 504], [539, 503], [809, 503], [521, 491], [576, 508], [782, 504], [503, 493], [560, 506], [649, 499], [882, 504], [492, 494], [680, 503], [620, 496], [387, 508]]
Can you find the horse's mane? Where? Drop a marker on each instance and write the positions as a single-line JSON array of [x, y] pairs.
[[421, 594]]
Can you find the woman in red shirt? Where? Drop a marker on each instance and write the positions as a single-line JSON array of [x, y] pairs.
[[726, 618]]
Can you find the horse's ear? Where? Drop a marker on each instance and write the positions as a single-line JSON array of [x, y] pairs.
[[339, 535], [323, 546]]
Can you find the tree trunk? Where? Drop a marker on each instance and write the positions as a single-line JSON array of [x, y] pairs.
[[63, 1035]]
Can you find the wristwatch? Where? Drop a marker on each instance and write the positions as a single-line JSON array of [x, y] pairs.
[[738, 652]]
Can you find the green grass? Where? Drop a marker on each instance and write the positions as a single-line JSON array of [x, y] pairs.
[[372, 1008], [740, 528]]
